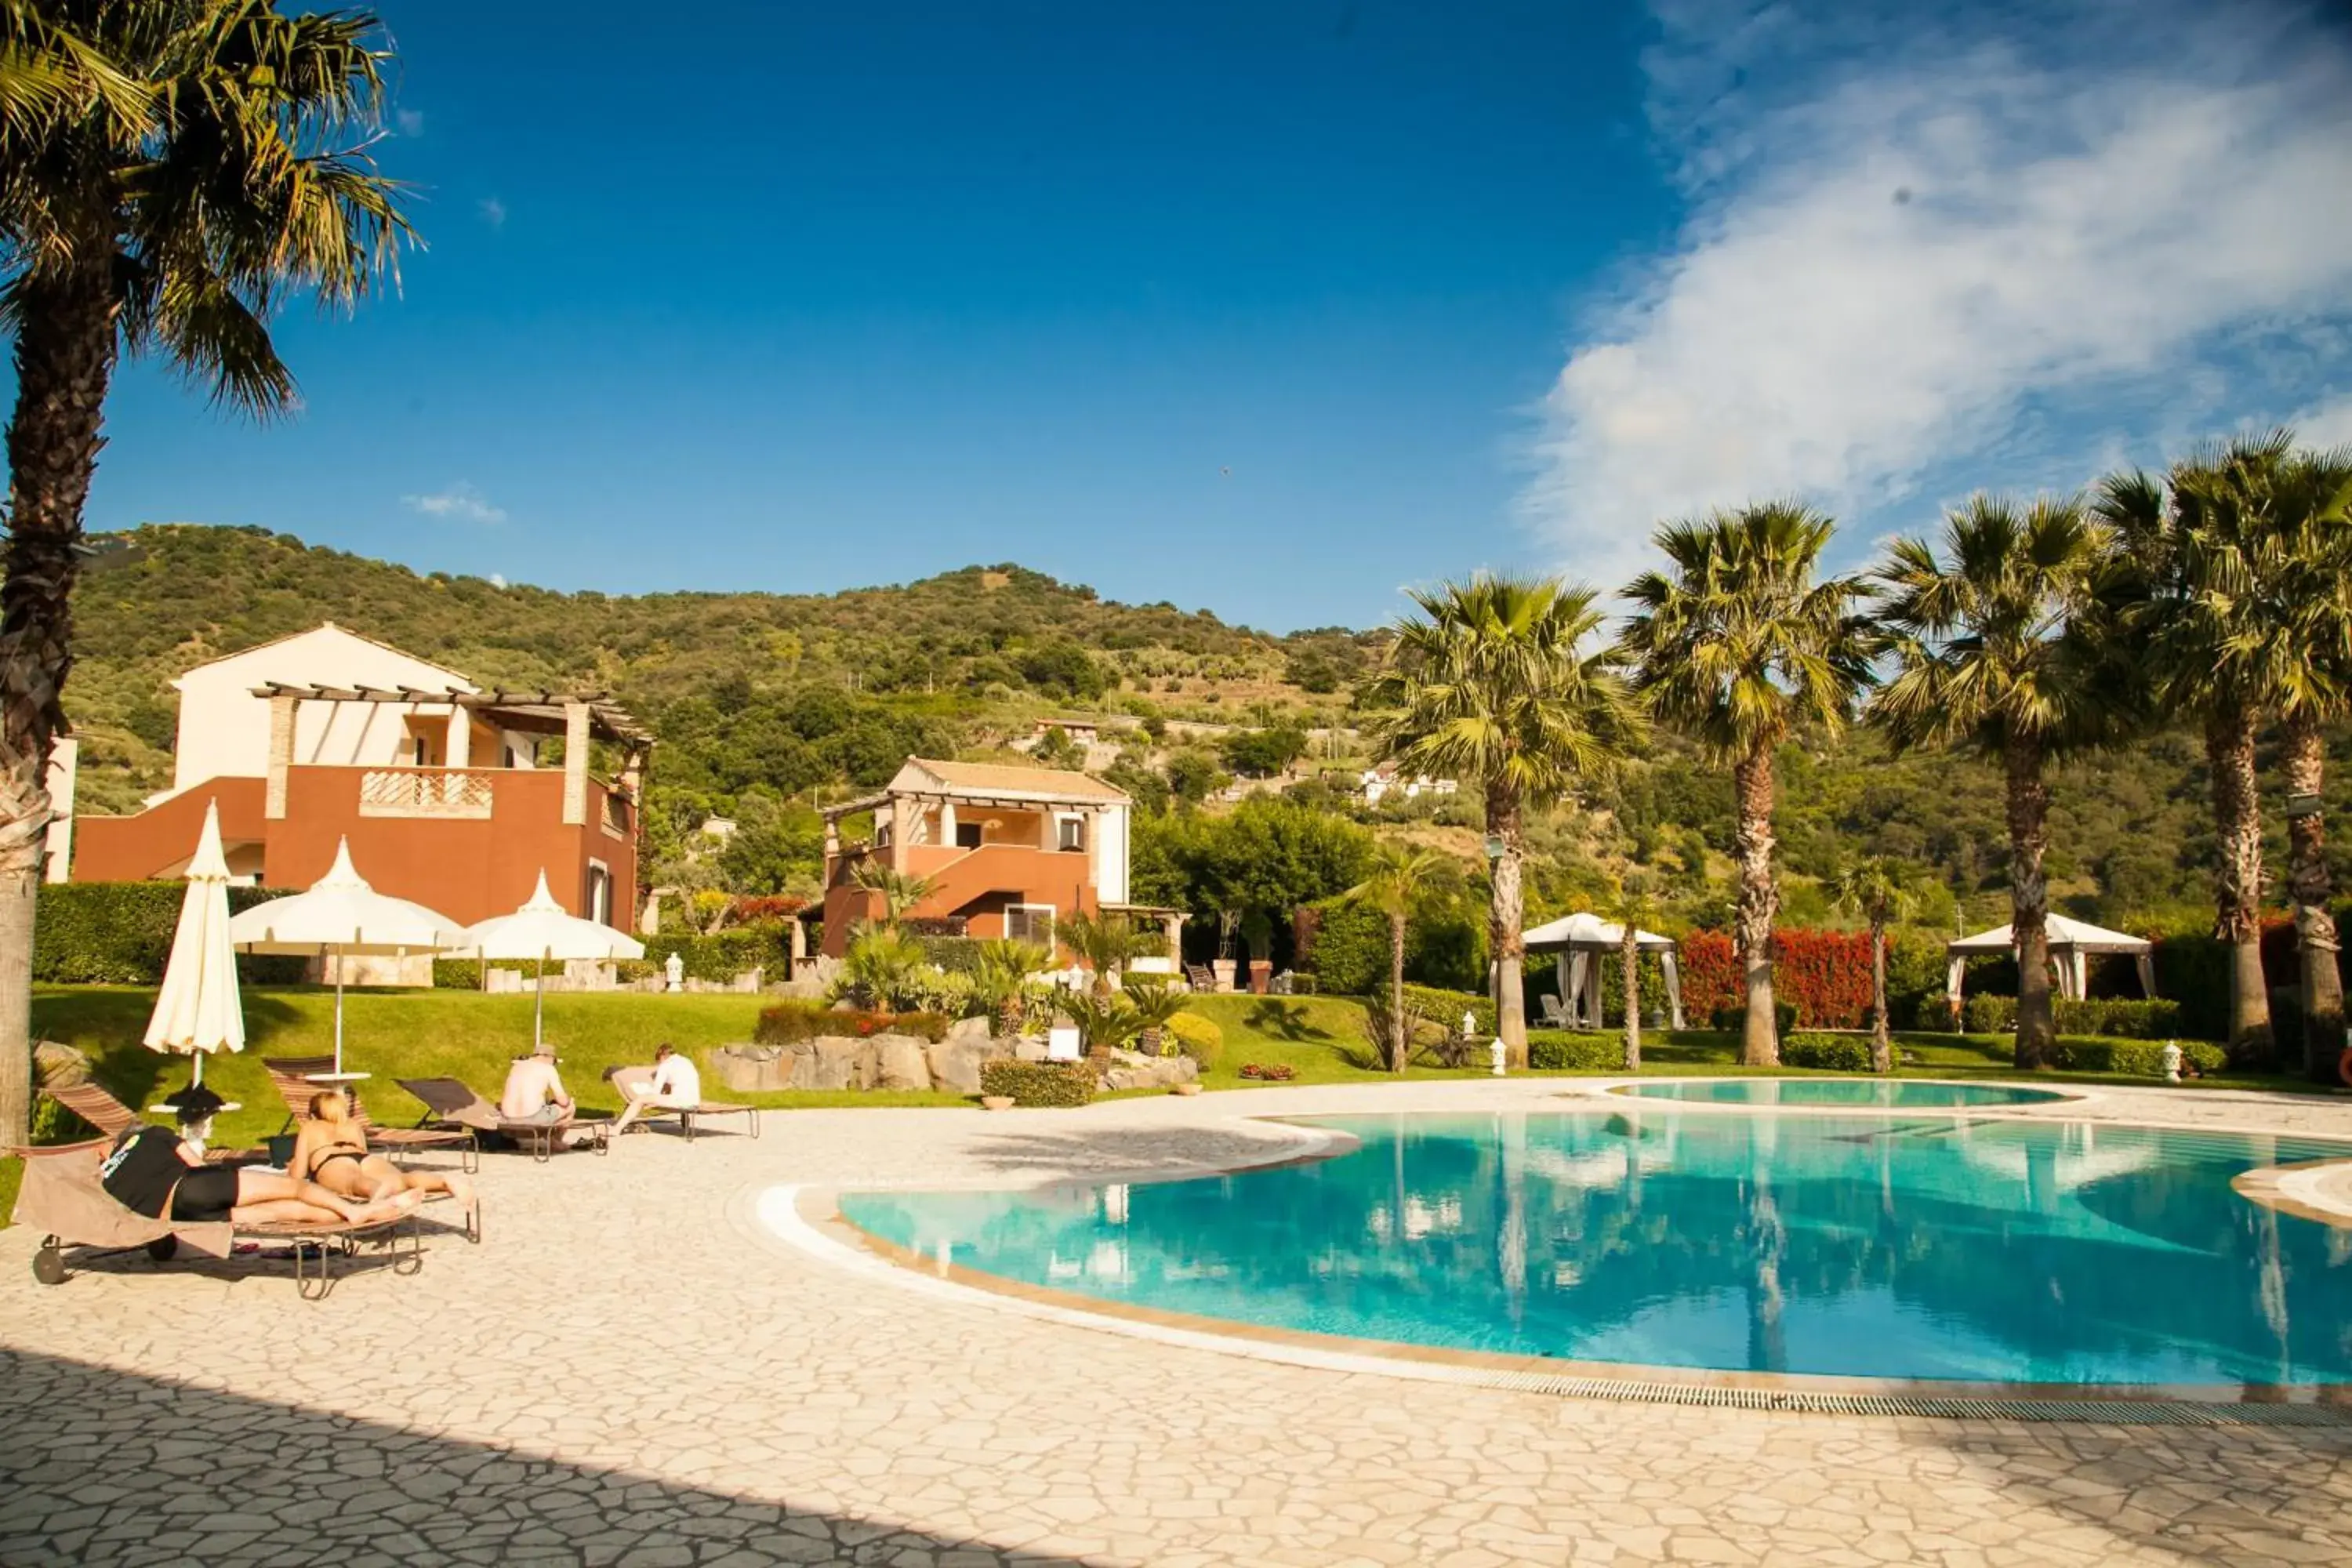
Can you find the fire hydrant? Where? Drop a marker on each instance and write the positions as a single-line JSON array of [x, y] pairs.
[[2171, 1061]]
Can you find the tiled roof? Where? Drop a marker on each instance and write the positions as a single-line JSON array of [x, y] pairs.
[[992, 778]]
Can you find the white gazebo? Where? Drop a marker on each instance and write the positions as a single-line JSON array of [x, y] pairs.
[[1577, 943], [2072, 943]]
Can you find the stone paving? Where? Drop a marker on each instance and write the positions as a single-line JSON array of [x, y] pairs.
[[628, 1372]]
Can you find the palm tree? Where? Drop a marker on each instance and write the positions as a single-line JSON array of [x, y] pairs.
[[1487, 681], [1634, 908], [2215, 576], [1105, 944], [170, 172], [898, 890], [1002, 979], [1737, 646], [1880, 891], [1995, 648], [1398, 872], [880, 964], [1155, 1000], [2317, 509]]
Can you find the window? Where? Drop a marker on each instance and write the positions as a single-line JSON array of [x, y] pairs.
[[1029, 922], [600, 894], [967, 834], [1070, 832]]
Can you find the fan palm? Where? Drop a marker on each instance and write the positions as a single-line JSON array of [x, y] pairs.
[[1105, 944], [1487, 681], [170, 172], [898, 890], [1155, 1000], [2217, 565], [1995, 647], [1635, 909], [1880, 891], [1736, 646], [1398, 872], [1000, 977]]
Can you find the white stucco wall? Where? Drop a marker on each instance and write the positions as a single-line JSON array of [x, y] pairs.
[[1110, 856], [224, 729]]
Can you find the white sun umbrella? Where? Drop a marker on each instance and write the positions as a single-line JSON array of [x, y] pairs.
[[541, 929], [197, 1011], [341, 915]]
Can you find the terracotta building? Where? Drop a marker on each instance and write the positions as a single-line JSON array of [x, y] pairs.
[[436, 783]]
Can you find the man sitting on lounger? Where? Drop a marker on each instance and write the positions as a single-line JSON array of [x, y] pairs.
[[675, 1086], [160, 1172], [535, 1093]]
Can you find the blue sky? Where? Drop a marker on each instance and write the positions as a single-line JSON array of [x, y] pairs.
[[1274, 308]]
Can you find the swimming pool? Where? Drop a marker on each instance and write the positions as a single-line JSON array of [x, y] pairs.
[[2006, 1251], [1887, 1093]]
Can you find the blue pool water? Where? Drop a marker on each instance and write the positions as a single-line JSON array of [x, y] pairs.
[[1886, 1247], [1887, 1093]]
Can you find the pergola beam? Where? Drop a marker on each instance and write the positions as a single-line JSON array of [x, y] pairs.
[[542, 712]]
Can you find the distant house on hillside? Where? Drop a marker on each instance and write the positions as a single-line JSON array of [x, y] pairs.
[[326, 735], [1378, 783], [1007, 850]]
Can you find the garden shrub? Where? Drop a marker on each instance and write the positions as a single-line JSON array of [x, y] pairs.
[[955, 954], [1445, 1007], [119, 933], [789, 1022], [2135, 1059], [1732, 1017], [1824, 975], [1711, 976], [1347, 947], [1990, 1015], [456, 975], [930, 926], [1838, 1053], [1197, 1037], [1557, 1050], [1039, 1083], [1269, 1072], [724, 955], [2117, 1017]]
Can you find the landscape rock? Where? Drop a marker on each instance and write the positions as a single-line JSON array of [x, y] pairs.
[[967, 1029], [955, 1064], [841, 1061], [900, 1062], [749, 1069], [1029, 1048], [1132, 1069]]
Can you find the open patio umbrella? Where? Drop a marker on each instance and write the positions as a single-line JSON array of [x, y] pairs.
[[342, 916], [197, 1011], [541, 929]]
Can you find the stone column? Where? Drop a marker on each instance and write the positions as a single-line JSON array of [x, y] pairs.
[[904, 810], [459, 750], [281, 756], [575, 763], [1173, 923]]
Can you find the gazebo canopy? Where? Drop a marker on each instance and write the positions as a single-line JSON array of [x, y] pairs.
[[1589, 932], [2072, 942], [1575, 942]]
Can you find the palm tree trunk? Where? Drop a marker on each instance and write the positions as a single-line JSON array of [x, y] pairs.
[[1396, 1016], [1881, 1037], [1507, 924], [1759, 901], [2029, 902], [1630, 956], [65, 357], [2237, 881], [2315, 925]]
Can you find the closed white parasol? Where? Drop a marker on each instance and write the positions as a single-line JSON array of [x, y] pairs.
[[197, 1011], [541, 929], [342, 916]]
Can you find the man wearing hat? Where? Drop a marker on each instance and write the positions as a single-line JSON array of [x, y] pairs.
[[162, 1173], [535, 1093]]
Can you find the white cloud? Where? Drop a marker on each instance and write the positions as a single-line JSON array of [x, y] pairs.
[[1970, 266], [410, 121], [2325, 424], [460, 500], [493, 211]]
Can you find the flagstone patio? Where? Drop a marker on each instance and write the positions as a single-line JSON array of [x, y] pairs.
[[631, 1370]]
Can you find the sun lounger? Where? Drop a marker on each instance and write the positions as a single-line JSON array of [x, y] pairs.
[[61, 1198], [449, 1103], [1552, 1016], [294, 1078], [1201, 977], [636, 1081], [94, 1104]]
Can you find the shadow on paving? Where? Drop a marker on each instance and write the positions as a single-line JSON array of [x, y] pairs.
[[106, 1467], [1123, 1152]]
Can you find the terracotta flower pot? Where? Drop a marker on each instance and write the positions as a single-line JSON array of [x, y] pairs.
[[1184, 1088], [996, 1102]]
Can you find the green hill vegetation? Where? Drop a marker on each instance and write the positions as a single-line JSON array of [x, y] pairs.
[[766, 702]]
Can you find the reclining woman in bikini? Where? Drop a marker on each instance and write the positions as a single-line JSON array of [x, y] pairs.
[[330, 1150]]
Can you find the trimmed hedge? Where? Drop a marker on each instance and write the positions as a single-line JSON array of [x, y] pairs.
[[2135, 1059], [791, 1022], [1445, 1008], [1039, 1083], [1838, 1053], [1197, 1037], [954, 954], [1557, 1050], [1732, 1017], [119, 933], [724, 955], [2115, 1018]]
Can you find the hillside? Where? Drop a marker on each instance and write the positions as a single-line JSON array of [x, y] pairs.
[[764, 700]]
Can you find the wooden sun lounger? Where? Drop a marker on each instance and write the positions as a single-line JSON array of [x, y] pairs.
[[62, 1199], [91, 1102], [291, 1075], [622, 1077], [450, 1104]]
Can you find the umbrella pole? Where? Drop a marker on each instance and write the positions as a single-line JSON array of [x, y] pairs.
[[339, 1013], [538, 1008]]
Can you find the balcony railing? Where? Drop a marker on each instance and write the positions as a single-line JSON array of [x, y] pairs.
[[425, 792]]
